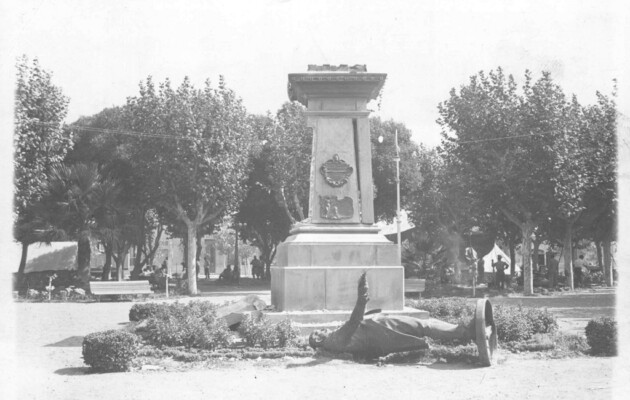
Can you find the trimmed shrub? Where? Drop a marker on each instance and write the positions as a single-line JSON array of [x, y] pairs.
[[111, 350], [287, 333], [542, 321], [191, 325], [142, 311], [514, 323], [449, 309], [260, 331], [601, 335], [511, 323]]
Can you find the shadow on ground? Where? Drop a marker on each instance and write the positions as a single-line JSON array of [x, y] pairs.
[[312, 363], [72, 341], [73, 371], [453, 366]]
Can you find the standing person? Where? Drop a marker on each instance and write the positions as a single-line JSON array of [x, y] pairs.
[[471, 261], [256, 268], [578, 275], [184, 271], [206, 267], [500, 266]]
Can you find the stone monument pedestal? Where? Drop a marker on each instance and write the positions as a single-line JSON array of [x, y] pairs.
[[320, 270], [319, 264]]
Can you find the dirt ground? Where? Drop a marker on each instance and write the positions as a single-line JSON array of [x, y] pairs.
[[48, 365]]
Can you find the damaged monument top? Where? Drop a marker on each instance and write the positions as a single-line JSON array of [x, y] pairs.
[[335, 81], [337, 68]]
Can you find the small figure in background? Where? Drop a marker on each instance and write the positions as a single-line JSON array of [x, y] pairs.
[[500, 266], [206, 267], [226, 275], [257, 268], [578, 272]]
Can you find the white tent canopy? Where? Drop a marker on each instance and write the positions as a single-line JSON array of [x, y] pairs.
[[491, 257]]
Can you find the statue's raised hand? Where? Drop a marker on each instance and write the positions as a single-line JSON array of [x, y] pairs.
[[363, 287]]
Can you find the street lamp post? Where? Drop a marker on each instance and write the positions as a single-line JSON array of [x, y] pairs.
[[398, 222]]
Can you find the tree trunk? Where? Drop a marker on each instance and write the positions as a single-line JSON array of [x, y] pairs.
[[140, 243], [526, 252], [512, 250], [535, 266], [83, 261], [298, 206], [608, 262], [198, 249], [600, 263], [268, 260], [21, 285], [191, 268], [107, 268], [278, 194], [237, 267], [119, 268], [568, 253]]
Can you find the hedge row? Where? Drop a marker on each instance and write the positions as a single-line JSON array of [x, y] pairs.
[[514, 323]]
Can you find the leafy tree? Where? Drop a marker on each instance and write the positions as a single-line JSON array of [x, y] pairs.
[[266, 224], [599, 218], [443, 209], [138, 218], [40, 143], [571, 175], [287, 152], [77, 197], [195, 156], [511, 175], [384, 167]]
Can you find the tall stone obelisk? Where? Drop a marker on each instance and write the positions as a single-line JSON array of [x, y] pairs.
[[319, 264]]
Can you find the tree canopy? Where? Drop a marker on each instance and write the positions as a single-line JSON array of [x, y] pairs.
[[40, 142], [194, 153], [526, 153]]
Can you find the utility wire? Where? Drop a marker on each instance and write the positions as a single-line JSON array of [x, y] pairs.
[[503, 138], [158, 136], [117, 131]]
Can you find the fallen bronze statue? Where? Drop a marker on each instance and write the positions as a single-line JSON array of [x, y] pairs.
[[385, 334]]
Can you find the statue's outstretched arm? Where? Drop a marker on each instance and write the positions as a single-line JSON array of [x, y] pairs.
[[343, 334]]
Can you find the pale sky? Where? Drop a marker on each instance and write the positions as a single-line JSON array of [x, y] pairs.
[[100, 50]]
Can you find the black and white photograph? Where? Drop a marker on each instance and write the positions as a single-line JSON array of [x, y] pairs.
[[314, 199]]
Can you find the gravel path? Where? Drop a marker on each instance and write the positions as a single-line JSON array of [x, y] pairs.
[[48, 365]]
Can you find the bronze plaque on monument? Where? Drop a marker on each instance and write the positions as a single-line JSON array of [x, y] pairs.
[[336, 171], [330, 207]]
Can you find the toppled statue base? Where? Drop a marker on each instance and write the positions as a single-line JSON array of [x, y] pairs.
[[382, 334]]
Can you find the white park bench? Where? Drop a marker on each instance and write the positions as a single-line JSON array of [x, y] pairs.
[[414, 285], [110, 288]]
